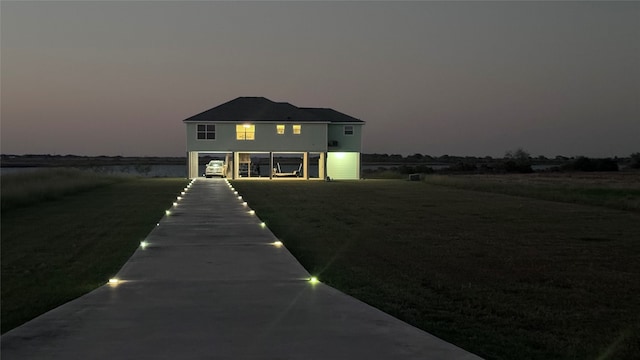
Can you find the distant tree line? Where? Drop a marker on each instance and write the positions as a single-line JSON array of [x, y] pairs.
[[515, 161]]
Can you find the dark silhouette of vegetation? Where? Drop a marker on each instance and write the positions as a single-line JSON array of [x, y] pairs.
[[586, 164], [635, 161], [517, 161]]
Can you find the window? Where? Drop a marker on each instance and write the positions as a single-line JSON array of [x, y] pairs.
[[348, 130], [280, 129], [297, 129], [206, 132], [245, 132]]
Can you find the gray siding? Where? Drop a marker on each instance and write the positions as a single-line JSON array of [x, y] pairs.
[[345, 142], [313, 137]]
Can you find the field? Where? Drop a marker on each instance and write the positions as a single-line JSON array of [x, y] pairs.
[[507, 267], [65, 233]]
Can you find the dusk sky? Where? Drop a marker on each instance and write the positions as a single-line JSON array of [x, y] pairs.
[[457, 78]]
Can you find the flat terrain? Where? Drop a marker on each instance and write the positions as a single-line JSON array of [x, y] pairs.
[[59, 246], [503, 276]]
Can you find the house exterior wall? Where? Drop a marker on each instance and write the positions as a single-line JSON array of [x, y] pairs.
[[312, 138], [345, 143], [343, 165]]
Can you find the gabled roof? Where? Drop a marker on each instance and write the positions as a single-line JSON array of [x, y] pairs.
[[262, 109]]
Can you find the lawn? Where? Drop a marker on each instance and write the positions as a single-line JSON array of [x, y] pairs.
[[59, 246], [503, 276]]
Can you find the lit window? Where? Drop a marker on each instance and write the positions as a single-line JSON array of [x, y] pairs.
[[245, 132], [297, 129], [206, 132], [348, 129], [280, 129]]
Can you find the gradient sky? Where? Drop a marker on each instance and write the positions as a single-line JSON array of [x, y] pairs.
[[456, 78]]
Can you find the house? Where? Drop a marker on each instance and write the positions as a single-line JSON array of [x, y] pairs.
[[260, 138]]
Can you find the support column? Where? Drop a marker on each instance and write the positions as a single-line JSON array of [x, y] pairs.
[[227, 166], [321, 166], [270, 165], [236, 161], [305, 165], [192, 165]]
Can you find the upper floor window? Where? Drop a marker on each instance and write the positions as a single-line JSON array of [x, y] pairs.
[[245, 132], [297, 129], [280, 129], [348, 130], [206, 132]]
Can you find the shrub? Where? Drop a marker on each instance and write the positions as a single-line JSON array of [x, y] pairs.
[[586, 164]]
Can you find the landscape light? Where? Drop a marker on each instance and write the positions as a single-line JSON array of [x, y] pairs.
[[252, 212], [167, 212], [244, 203], [277, 243], [143, 244], [157, 224], [235, 192], [113, 281], [314, 280], [175, 204], [239, 197], [263, 224], [179, 198], [182, 193]]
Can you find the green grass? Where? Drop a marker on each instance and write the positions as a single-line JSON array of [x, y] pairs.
[[613, 190], [56, 249], [506, 277], [29, 188]]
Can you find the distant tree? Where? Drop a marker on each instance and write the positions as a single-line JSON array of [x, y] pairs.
[[517, 161], [635, 161], [583, 163]]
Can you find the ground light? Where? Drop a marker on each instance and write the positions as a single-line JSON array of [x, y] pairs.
[[252, 212], [143, 244], [114, 281], [277, 243], [263, 224], [239, 197], [175, 204], [314, 280], [244, 203], [167, 212]]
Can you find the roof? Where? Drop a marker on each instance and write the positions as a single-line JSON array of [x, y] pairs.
[[263, 109]]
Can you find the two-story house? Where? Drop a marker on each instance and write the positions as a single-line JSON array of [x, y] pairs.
[[252, 131]]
